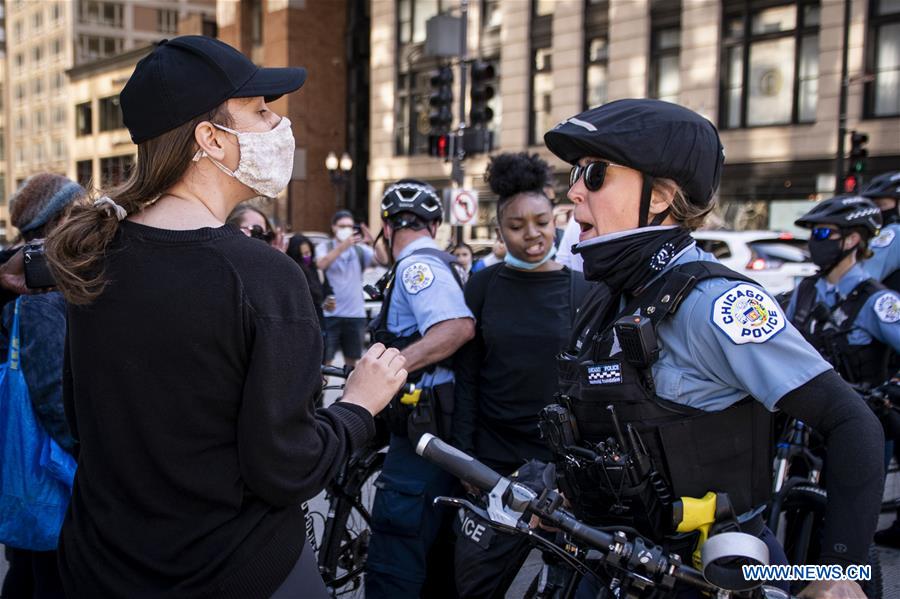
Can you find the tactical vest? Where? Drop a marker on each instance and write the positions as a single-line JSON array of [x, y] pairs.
[[693, 451], [379, 327], [828, 330]]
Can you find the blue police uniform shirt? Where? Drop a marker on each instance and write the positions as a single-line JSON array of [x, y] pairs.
[[885, 253], [425, 293], [879, 317], [728, 340]]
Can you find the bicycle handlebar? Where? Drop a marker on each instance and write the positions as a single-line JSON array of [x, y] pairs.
[[457, 463]]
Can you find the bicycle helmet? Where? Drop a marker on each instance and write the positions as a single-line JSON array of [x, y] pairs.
[[886, 185], [844, 212], [657, 138], [410, 197]]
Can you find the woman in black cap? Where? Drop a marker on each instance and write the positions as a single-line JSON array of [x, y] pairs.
[[192, 360], [700, 358]]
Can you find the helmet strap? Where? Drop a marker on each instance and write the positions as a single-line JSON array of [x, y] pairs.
[[646, 195]]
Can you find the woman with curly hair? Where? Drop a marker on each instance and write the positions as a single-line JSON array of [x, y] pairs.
[[524, 308]]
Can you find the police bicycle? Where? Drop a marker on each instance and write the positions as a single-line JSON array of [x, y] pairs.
[[342, 545], [628, 565], [796, 512]]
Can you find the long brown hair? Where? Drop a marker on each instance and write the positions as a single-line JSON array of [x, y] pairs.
[[78, 245]]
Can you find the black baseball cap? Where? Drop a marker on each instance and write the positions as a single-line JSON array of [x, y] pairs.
[[190, 75]]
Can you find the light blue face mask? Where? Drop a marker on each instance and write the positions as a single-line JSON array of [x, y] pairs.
[[521, 264]]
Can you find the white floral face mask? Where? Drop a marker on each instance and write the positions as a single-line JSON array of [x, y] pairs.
[[267, 158]]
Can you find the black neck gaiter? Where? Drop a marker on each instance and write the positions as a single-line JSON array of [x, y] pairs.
[[626, 263]]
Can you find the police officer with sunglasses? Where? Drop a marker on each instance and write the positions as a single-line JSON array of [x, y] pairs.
[[691, 356]]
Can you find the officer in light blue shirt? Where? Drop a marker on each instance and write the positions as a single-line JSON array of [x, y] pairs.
[[850, 318], [884, 264], [424, 314], [687, 354]]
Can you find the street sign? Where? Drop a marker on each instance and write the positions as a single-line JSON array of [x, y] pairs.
[[463, 207]]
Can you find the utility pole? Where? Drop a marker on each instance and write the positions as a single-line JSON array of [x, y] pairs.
[[842, 110], [458, 172]]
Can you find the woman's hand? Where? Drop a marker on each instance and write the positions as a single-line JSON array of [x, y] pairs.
[[377, 378], [832, 589]]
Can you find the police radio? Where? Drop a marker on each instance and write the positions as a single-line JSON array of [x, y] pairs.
[[637, 338]]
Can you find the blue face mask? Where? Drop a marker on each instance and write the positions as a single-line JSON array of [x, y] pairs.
[[521, 264]]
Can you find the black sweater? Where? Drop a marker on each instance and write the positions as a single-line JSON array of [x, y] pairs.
[[189, 386], [507, 373]]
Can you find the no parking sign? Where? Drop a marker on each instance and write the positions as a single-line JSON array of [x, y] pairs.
[[463, 206]]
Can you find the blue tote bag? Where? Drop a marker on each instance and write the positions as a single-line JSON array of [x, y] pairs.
[[36, 474]]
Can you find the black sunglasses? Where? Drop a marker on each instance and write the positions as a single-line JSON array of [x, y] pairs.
[[593, 172], [257, 232]]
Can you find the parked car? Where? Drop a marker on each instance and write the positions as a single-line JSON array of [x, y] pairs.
[[777, 261]]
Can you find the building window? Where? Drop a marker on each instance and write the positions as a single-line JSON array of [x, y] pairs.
[[20, 91], [2, 154], [17, 31], [210, 28], [665, 48], [491, 15], [84, 119], [56, 47], [114, 171], [37, 86], [92, 47], [39, 151], [412, 16], [59, 82], [110, 114], [596, 52], [39, 121], [100, 13], [540, 101], [37, 55], [84, 172], [56, 11], [59, 149], [20, 60], [256, 22], [167, 21], [37, 21], [541, 94], [882, 97], [20, 155], [21, 123], [413, 111], [59, 115], [771, 64]]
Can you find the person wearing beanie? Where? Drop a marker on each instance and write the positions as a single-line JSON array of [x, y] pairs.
[[35, 210], [193, 361]]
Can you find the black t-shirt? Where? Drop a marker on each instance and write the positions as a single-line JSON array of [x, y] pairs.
[[189, 385], [507, 373]]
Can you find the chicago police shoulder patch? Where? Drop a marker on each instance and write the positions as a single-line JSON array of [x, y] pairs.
[[417, 276], [747, 314], [883, 240], [887, 307]]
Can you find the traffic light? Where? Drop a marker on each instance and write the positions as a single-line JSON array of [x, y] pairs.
[[857, 162], [484, 74], [441, 145], [858, 152], [441, 100]]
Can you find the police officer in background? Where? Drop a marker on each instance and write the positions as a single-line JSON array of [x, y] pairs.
[[644, 175], [884, 265], [842, 311], [847, 315], [424, 314]]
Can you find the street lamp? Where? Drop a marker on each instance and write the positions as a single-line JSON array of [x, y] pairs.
[[339, 172]]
